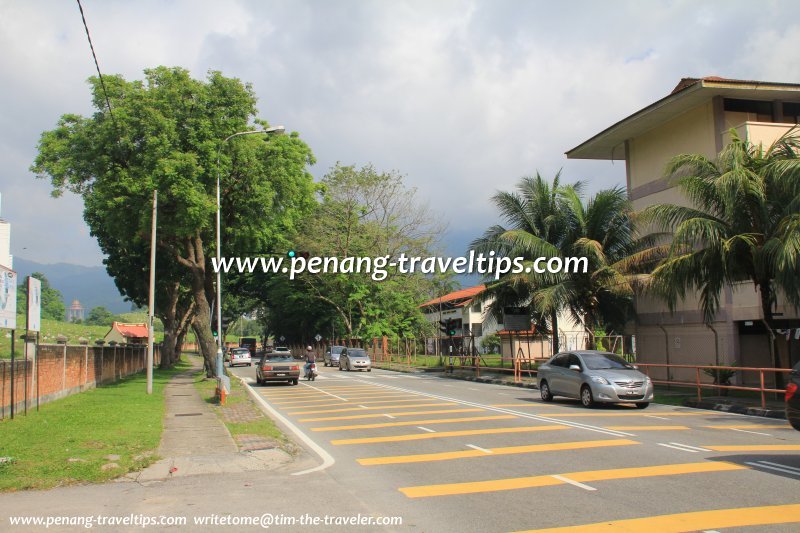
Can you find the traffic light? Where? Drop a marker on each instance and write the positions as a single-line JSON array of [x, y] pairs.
[[226, 321], [451, 327], [294, 253]]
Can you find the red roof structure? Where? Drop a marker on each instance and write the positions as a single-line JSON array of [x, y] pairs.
[[458, 298], [128, 333]]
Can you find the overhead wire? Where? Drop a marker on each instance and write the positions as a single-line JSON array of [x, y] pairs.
[[96, 64]]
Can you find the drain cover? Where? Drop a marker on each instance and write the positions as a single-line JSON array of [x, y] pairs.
[[189, 414]]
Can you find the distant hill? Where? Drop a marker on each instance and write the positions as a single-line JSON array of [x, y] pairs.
[[92, 286]]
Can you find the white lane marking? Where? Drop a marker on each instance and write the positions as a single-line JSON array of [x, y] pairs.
[[322, 391], [388, 416], [470, 388], [327, 460], [780, 465], [659, 417], [676, 448], [784, 470], [484, 450], [698, 448], [426, 429], [751, 432], [549, 420], [364, 406], [573, 482]]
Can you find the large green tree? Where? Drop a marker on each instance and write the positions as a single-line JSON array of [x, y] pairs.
[[166, 132], [742, 224]]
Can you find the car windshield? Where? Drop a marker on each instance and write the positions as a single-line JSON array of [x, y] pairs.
[[240, 351], [281, 349], [356, 353], [278, 357], [605, 361]]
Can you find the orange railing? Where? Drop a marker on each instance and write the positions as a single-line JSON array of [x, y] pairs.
[[698, 383]]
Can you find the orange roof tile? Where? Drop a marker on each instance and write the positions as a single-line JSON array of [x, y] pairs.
[[462, 294], [131, 330]]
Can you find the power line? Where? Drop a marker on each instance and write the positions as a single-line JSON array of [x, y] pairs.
[[96, 64]]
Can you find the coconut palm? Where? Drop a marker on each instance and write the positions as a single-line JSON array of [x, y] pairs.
[[743, 225], [552, 220]]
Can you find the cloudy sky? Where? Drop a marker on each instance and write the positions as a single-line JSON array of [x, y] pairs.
[[463, 97]]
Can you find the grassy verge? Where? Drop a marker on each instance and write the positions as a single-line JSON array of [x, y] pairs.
[[74, 440], [240, 401]]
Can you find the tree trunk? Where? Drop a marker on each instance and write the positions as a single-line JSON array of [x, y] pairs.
[[202, 324], [764, 290], [554, 327], [168, 317]]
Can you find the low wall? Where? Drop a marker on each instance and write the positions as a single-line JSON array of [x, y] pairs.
[[61, 370]]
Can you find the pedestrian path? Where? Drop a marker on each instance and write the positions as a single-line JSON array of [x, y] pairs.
[[196, 441]]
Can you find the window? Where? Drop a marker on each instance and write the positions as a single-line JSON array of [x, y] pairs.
[[477, 330], [791, 112], [476, 308], [560, 360]]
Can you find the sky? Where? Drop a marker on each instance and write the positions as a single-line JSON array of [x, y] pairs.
[[462, 97]]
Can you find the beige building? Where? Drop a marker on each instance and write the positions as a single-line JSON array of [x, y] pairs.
[[695, 118]]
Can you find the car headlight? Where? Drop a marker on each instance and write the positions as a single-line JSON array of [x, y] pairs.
[[600, 379], [649, 381]]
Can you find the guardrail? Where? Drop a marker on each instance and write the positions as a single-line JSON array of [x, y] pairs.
[[698, 384]]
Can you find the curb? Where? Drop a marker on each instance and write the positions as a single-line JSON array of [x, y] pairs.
[[736, 408]]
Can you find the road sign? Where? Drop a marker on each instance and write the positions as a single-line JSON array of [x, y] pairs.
[[318, 337], [8, 298], [34, 304], [283, 338]]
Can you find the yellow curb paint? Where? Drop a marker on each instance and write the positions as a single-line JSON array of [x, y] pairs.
[[494, 485], [693, 521], [509, 450], [444, 434], [410, 413], [751, 426], [638, 413], [428, 422]]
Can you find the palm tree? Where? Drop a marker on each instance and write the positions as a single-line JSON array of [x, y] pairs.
[[743, 225], [551, 220]]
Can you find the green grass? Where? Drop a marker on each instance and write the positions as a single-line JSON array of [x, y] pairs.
[[263, 426], [119, 419], [51, 329]]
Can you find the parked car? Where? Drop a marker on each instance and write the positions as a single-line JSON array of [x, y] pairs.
[[354, 359], [241, 356], [331, 357], [793, 398], [278, 366], [594, 377]]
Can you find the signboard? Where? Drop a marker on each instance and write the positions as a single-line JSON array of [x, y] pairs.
[[516, 319], [34, 304], [318, 337], [8, 298]]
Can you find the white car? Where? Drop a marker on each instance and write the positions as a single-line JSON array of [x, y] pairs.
[[241, 356]]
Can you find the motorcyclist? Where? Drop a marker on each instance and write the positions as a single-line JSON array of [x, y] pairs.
[[311, 358]]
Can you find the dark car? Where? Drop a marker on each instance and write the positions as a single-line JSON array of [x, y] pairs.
[[278, 366], [793, 398]]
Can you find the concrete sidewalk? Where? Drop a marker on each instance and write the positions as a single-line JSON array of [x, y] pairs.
[[195, 440]]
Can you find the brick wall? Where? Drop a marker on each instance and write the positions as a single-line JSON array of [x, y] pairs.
[[64, 370]]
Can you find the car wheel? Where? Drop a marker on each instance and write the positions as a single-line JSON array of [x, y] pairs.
[[544, 391], [586, 396], [249, 364], [642, 405], [794, 421], [324, 363], [295, 381], [340, 367], [259, 381], [369, 370]]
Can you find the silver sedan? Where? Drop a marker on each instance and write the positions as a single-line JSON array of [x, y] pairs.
[[594, 377]]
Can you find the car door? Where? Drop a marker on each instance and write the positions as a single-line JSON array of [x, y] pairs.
[[573, 379], [555, 378]]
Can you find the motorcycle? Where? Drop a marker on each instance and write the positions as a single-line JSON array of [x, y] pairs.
[[311, 372]]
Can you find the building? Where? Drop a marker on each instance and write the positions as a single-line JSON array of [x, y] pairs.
[[75, 312], [470, 314], [6, 259], [122, 333], [696, 118]]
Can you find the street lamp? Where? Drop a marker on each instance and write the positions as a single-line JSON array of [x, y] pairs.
[[220, 335]]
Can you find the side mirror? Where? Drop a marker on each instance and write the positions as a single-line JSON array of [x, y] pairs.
[[576, 368]]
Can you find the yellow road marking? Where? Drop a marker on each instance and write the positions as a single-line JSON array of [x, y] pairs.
[[525, 404], [750, 426], [304, 402], [415, 423], [472, 487], [443, 434], [693, 521], [757, 448], [646, 428], [373, 396], [638, 413], [509, 450], [410, 413], [368, 402], [350, 409]]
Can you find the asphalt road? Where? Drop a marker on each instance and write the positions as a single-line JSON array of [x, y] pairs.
[[449, 455]]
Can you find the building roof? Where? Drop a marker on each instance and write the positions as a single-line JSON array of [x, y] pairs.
[[458, 298], [130, 330], [687, 94]]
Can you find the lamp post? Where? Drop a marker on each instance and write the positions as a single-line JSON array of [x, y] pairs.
[[220, 335]]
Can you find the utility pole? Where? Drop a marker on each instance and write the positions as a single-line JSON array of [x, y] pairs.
[[152, 298]]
